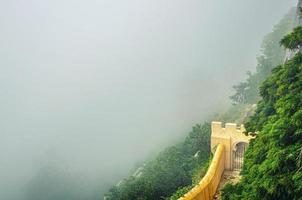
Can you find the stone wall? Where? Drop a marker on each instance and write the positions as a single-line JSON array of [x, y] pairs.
[[229, 137], [223, 144], [207, 187]]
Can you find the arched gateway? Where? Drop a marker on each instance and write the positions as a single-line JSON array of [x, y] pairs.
[[237, 157], [234, 141], [228, 145]]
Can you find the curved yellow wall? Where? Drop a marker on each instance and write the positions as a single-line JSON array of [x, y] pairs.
[[229, 137], [207, 187]]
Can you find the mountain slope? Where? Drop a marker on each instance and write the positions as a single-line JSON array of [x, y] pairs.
[[273, 163]]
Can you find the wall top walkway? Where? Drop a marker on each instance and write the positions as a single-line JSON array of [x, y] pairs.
[[224, 142], [206, 188]]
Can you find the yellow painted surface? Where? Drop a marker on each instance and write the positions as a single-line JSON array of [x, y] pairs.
[[206, 188], [224, 141], [230, 135]]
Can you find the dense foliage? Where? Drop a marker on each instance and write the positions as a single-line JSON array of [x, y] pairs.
[[173, 169], [176, 170], [271, 55], [273, 162]]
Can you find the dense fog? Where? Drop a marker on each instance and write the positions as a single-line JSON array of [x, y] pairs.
[[91, 88]]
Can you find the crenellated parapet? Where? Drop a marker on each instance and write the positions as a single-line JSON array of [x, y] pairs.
[[226, 143], [229, 130], [229, 135]]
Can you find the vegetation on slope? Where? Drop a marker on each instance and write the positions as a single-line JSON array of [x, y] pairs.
[[273, 162], [174, 168], [271, 55], [175, 171]]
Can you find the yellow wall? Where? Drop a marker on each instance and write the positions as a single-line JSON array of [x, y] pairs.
[[206, 188], [229, 136], [224, 141]]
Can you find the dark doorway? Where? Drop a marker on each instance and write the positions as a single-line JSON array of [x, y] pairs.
[[238, 155]]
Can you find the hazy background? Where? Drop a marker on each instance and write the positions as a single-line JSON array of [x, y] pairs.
[[88, 88]]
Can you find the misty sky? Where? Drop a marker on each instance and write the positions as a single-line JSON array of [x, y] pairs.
[[98, 85]]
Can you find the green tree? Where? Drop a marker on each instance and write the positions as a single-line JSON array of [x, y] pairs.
[[271, 55], [173, 168], [272, 168]]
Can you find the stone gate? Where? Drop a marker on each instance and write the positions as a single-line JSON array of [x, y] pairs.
[[228, 146], [234, 141]]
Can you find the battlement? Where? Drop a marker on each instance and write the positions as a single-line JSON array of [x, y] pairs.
[[226, 143], [229, 135], [228, 130]]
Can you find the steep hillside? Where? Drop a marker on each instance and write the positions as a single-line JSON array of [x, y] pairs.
[[177, 169], [173, 168], [272, 54], [273, 163]]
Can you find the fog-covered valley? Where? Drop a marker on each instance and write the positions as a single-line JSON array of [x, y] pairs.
[[91, 88]]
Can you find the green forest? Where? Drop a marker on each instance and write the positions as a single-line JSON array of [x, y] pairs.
[[151, 100], [174, 168], [273, 162]]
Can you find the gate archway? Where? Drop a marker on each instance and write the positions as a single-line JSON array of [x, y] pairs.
[[238, 155], [234, 141]]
